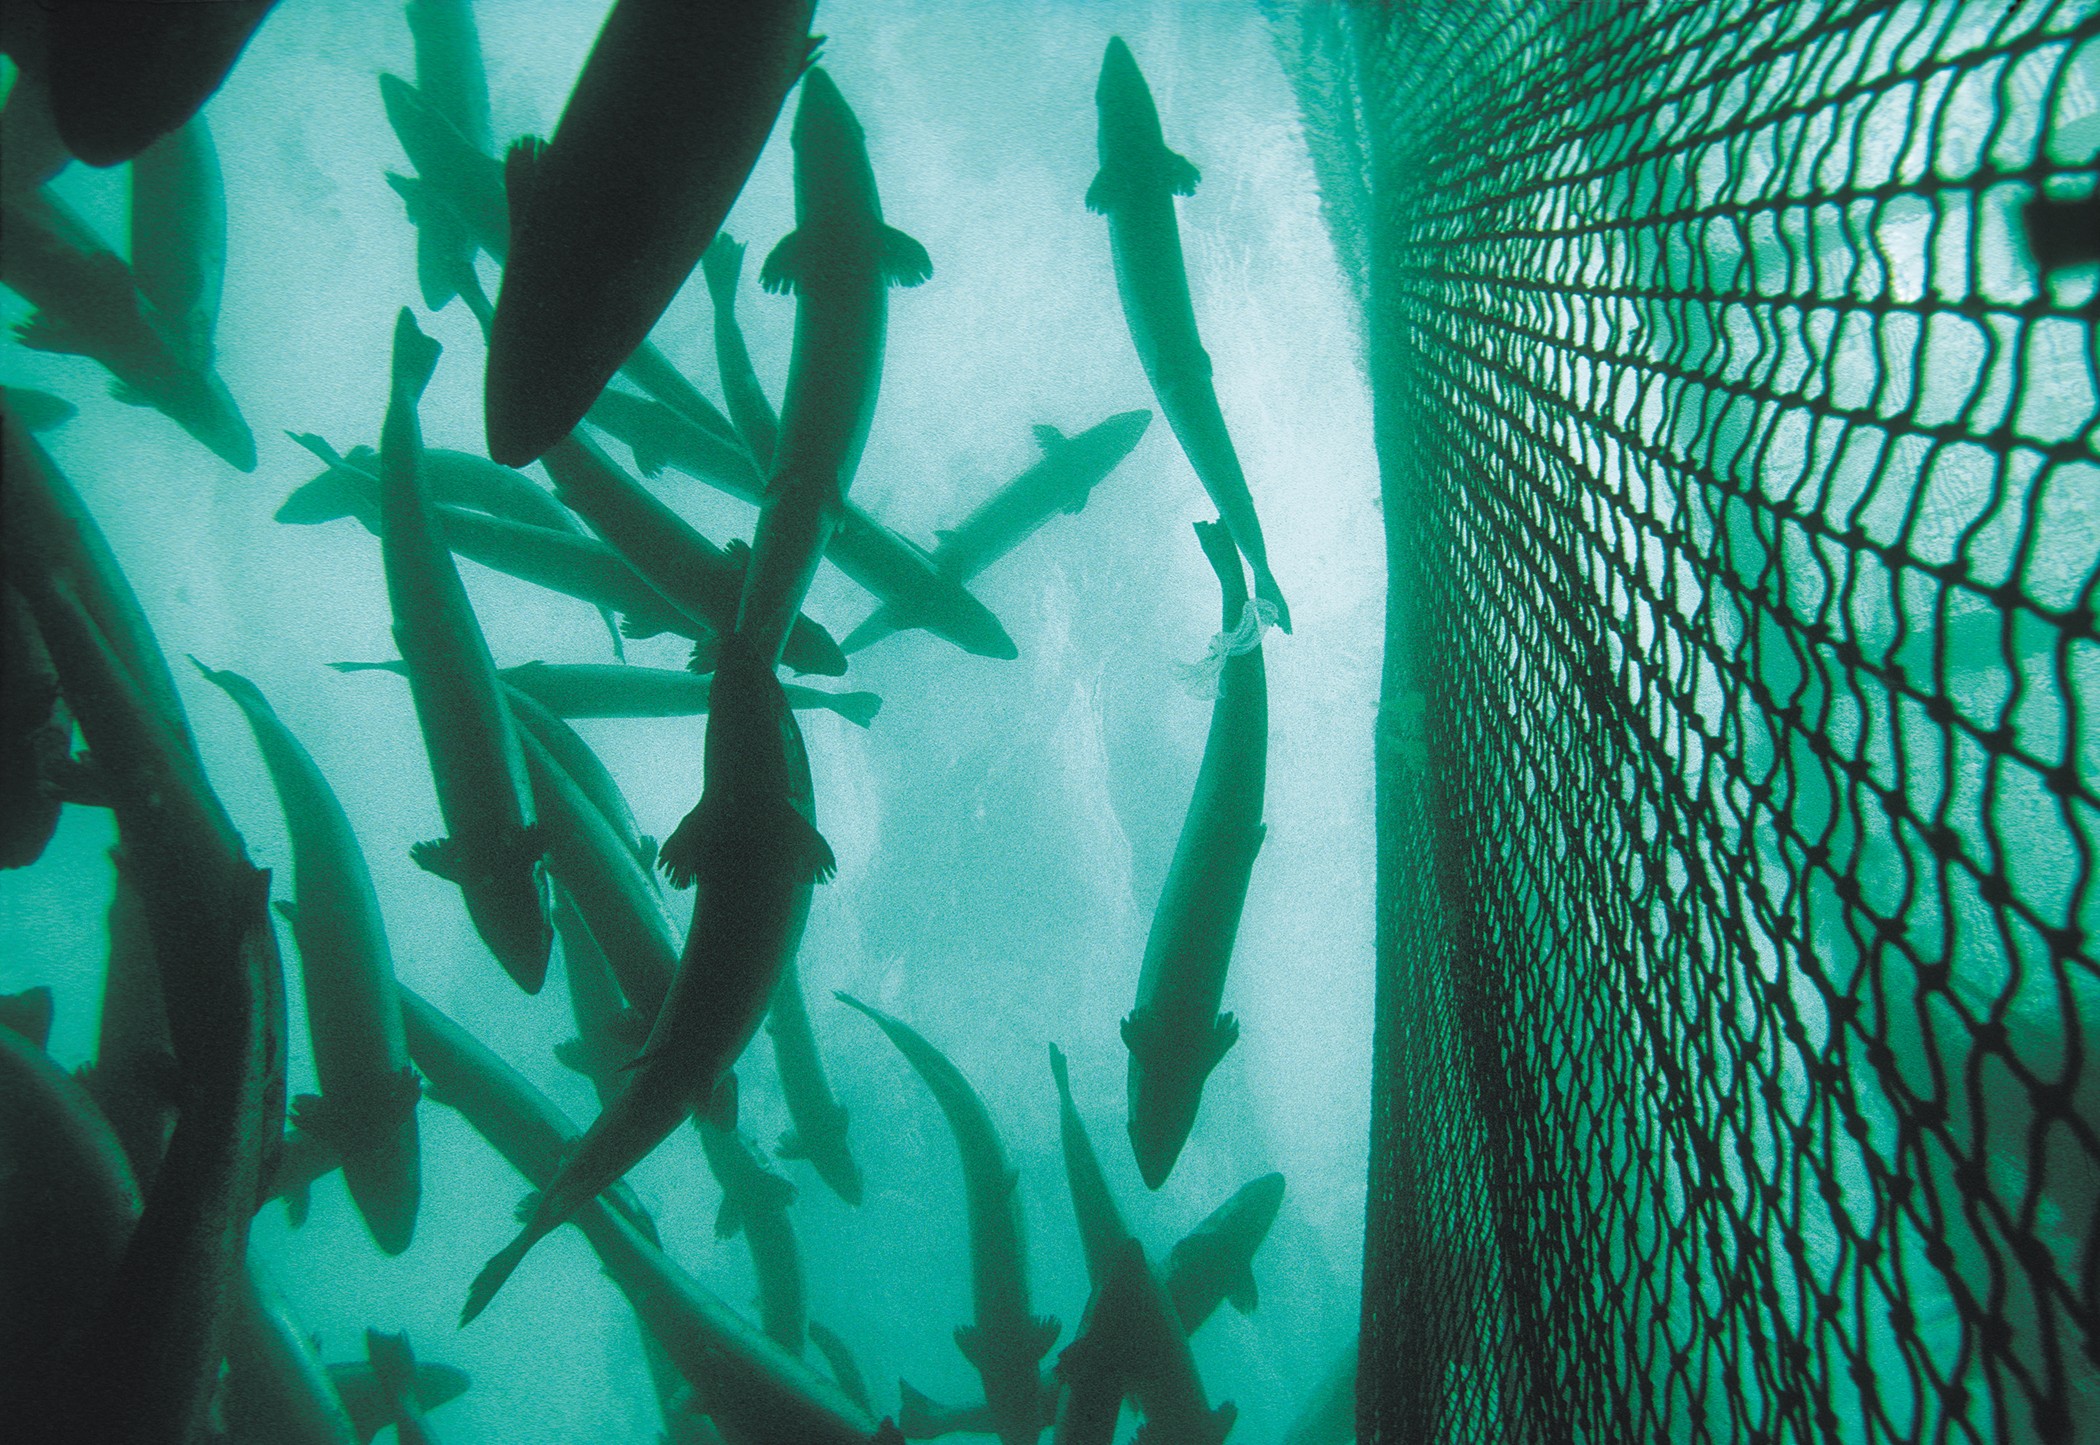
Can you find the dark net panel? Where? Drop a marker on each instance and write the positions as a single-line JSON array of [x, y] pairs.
[[1738, 757]]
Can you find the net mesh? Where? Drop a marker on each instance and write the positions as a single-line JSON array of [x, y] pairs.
[[1737, 757]]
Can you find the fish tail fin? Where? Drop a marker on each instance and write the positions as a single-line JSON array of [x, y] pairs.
[[858, 708], [415, 356], [1059, 1073], [496, 1271], [436, 240], [720, 265], [915, 1412]]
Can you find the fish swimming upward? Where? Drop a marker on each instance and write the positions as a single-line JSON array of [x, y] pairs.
[[1175, 1034], [492, 851], [1007, 1342], [839, 261], [750, 854], [366, 1107], [450, 75], [610, 216], [1135, 189]]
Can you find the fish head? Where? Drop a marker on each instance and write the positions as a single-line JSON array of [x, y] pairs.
[[831, 152], [439, 1384], [1129, 119], [1122, 432], [198, 402], [507, 901], [1253, 1209], [1162, 1115]]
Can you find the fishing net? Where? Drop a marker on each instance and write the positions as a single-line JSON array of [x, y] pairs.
[[1737, 759]]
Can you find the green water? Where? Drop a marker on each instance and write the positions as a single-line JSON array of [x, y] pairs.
[[1002, 829]]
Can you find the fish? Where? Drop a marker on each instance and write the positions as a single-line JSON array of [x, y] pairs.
[[366, 1107], [668, 553], [610, 216], [877, 558], [587, 771], [1175, 1034], [1061, 481], [844, 1368], [756, 421], [1135, 189], [595, 690], [559, 560], [521, 1123], [612, 893], [492, 851], [819, 1135], [763, 1395], [1329, 1417], [36, 735], [303, 1160], [1136, 1331], [123, 75], [450, 76], [89, 303], [609, 1030], [37, 410], [751, 855], [277, 1391], [133, 1079], [1134, 1346], [755, 1202], [839, 262], [1090, 1380], [178, 237], [147, 1364], [390, 1386], [1007, 1342], [70, 1204], [1214, 1261]]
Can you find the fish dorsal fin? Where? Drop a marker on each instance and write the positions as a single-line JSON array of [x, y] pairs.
[[1048, 437], [811, 54], [904, 260], [729, 1219], [520, 173], [783, 266]]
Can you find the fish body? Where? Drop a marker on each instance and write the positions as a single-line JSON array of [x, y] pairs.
[[1069, 470], [1101, 1228], [1135, 190], [665, 123], [844, 1368], [89, 303], [609, 1033], [348, 488], [751, 855], [1175, 1034], [450, 75], [134, 1079], [1214, 1261], [839, 261], [819, 1135], [586, 770], [756, 421], [659, 434], [612, 894], [1329, 1417], [1136, 1346], [591, 690], [178, 236], [277, 1390], [122, 75], [366, 1107], [37, 410], [476, 762], [755, 1201], [146, 1366], [677, 561], [557, 559], [67, 1206], [1007, 1342], [763, 1395], [36, 735]]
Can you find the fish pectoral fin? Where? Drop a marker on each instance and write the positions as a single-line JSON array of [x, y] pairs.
[[129, 395], [1103, 193], [729, 1219], [739, 553], [1140, 1031], [811, 852], [1043, 1331], [904, 260], [790, 1147], [630, 1028], [649, 458], [970, 1340], [1243, 1295], [774, 1191], [441, 856], [689, 843], [520, 172], [645, 852], [1178, 173], [635, 629], [1224, 1033], [1048, 437], [42, 331], [783, 266], [702, 662], [915, 1411]]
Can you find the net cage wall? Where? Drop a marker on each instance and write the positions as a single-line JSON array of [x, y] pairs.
[[1734, 375]]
